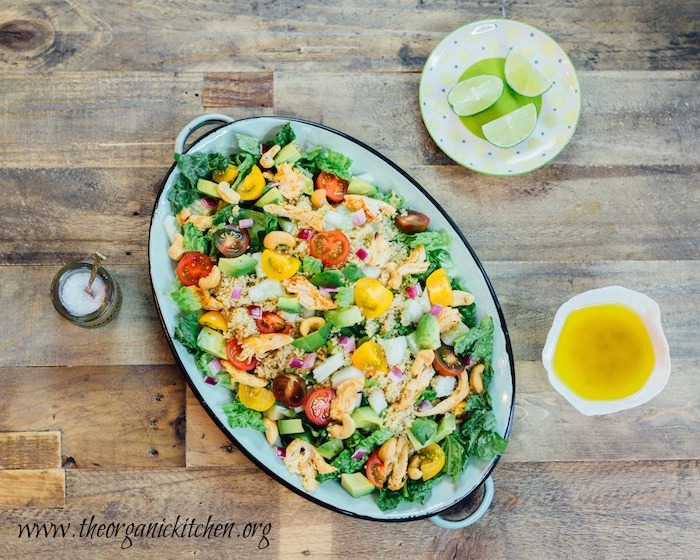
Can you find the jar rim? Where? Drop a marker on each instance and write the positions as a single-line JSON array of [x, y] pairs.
[[58, 282]]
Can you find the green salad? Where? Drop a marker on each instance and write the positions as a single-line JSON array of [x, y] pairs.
[[333, 316]]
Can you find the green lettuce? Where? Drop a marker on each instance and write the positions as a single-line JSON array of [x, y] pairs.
[[412, 491], [200, 166], [353, 273], [334, 163], [187, 329], [194, 239], [240, 416], [311, 266], [345, 296], [249, 144], [284, 136], [477, 343], [184, 298], [182, 194]]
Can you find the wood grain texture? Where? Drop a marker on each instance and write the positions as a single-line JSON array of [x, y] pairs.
[[109, 416], [238, 89], [624, 510], [559, 213], [32, 488], [90, 127], [397, 36], [30, 450]]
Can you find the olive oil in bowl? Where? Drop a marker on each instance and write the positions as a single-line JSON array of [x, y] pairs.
[[604, 352]]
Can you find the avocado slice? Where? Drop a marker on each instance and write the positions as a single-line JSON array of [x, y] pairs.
[[447, 425], [289, 154], [290, 426], [290, 304], [428, 332], [360, 186], [212, 341], [208, 187], [327, 278], [313, 341], [356, 484], [273, 196], [330, 449], [365, 417], [424, 429], [237, 266], [344, 317]]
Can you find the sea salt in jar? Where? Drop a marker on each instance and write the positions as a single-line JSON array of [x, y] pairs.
[[72, 301]]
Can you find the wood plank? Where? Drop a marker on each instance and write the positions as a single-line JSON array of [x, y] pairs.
[[238, 89], [647, 506], [32, 488], [563, 213], [530, 293], [250, 36], [29, 450], [130, 120], [206, 445], [109, 416]]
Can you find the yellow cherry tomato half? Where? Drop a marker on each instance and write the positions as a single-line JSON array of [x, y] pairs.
[[370, 358], [215, 320], [229, 174], [439, 289], [256, 398], [372, 297], [251, 188], [432, 459], [279, 266]]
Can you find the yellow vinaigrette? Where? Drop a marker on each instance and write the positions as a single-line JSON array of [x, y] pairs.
[[604, 352]]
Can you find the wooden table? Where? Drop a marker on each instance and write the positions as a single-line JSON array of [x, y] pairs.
[[100, 422]]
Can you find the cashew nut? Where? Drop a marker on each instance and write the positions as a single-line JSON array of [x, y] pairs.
[[271, 431], [202, 222], [182, 216], [344, 429], [227, 194], [311, 324], [318, 199], [177, 249], [415, 461], [414, 473], [460, 298], [212, 280], [267, 159], [275, 238], [476, 379]]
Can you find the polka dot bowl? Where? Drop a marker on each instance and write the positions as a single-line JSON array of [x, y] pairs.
[[472, 43]]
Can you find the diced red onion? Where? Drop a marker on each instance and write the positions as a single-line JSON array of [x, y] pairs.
[[210, 380], [246, 223], [255, 311], [359, 218], [396, 374], [304, 233], [468, 360], [326, 291], [359, 454], [209, 202], [348, 343], [215, 365], [425, 405], [273, 185], [362, 253], [281, 452], [309, 361], [236, 293], [296, 363], [435, 310], [414, 291]]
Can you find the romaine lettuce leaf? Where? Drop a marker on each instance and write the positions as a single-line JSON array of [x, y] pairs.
[[478, 342], [240, 416], [194, 239], [187, 329]]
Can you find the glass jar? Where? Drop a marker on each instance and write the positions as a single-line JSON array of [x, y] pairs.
[[70, 300]]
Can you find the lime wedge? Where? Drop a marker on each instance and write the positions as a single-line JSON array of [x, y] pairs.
[[523, 77], [475, 94], [513, 128]]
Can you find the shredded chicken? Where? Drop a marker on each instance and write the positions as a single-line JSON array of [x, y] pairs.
[[261, 344], [308, 218], [242, 377], [209, 302], [421, 372], [379, 251], [416, 263], [460, 393], [303, 459], [309, 295], [372, 207], [394, 454], [448, 318], [291, 182], [345, 397]]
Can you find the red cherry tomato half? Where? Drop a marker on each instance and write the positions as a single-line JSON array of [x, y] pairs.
[[289, 389], [332, 247], [318, 406], [233, 353], [375, 469], [334, 186], [272, 323], [192, 267], [447, 362]]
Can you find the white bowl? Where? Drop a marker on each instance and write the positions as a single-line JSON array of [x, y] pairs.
[[649, 312], [252, 443]]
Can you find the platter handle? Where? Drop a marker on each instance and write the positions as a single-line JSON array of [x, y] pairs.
[[474, 516], [196, 123]]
